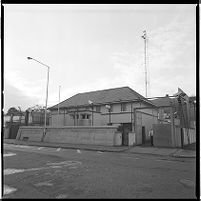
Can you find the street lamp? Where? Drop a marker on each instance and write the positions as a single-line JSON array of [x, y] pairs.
[[48, 70], [58, 105], [92, 114], [109, 110]]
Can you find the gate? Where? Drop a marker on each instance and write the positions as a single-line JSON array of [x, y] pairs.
[[126, 128], [144, 118], [13, 131]]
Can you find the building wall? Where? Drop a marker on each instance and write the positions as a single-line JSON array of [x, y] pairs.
[[162, 135], [145, 118], [97, 135], [118, 117]]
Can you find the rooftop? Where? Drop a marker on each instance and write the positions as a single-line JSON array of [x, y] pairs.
[[121, 94]]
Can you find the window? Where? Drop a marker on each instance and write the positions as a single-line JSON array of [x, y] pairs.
[[98, 108], [83, 116], [88, 116], [123, 107]]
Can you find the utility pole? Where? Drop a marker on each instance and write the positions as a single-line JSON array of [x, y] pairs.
[[145, 60], [59, 103]]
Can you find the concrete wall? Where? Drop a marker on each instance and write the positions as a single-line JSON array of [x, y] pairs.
[[189, 136], [162, 135], [6, 131], [177, 137], [138, 139], [32, 133], [146, 118], [102, 135], [131, 138]]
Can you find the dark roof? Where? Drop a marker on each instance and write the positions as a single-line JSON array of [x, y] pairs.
[[163, 101], [102, 97]]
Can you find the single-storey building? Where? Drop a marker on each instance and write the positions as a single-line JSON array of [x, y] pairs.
[[122, 107]]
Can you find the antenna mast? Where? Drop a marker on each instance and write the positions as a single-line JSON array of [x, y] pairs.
[[145, 60]]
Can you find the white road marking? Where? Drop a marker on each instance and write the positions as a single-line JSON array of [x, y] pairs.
[[9, 154], [40, 148], [8, 190], [58, 149], [12, 171], [61, 196], [66, 163], [78, 151], [100, 152], [187, 183], [167, 161], [71, 164], [23, 146], [129, 157], [45, 183]]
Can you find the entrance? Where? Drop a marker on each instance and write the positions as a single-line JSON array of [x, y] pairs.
[[143, 135], [126, 128]]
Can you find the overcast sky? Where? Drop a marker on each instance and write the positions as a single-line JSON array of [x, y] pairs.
[[94, 47]]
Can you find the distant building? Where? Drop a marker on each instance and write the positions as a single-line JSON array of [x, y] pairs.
[[184, 110]]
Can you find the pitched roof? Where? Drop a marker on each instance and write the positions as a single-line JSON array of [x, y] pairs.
[[101, 97], [163, 101]]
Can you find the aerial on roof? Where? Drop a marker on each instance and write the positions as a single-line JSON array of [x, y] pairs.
[[102, 97]]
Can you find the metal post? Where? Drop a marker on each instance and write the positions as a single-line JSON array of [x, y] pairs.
[[45, 121], [131, 117], [92, 115], [58, 105], [110, 116], [145, 56], [77, 115], [46, 105]]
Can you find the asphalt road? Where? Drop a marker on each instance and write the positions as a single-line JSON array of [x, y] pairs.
[[43, 172]]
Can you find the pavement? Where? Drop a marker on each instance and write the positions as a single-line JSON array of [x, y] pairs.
[[173, 152]]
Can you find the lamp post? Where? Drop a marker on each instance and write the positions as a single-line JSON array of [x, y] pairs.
[[109, 110], [20, 114], [59, 103], [48, 70], [92, 114]]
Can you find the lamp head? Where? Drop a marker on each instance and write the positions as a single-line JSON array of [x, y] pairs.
[[90, 102], [107, 106], [29, 58]]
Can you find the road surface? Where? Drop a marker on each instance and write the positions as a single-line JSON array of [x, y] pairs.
[[44, 172]]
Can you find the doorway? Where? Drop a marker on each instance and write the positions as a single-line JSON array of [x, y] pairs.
[[126, 128]]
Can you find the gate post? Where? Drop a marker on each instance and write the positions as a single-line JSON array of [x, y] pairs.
[[134, 125], [182, 138], [172, 127]]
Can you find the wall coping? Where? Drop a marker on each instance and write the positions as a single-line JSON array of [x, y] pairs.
[[69, 127]]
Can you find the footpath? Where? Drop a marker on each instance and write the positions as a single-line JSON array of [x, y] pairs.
[[173, 152]]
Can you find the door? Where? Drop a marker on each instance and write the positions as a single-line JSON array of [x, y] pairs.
[[143, 135], [13, 131], [127, 127]]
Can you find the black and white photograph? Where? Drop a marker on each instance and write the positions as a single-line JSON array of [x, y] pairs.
[[99, 101]]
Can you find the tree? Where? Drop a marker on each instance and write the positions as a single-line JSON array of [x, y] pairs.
[[36, 108], [13, 111]]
